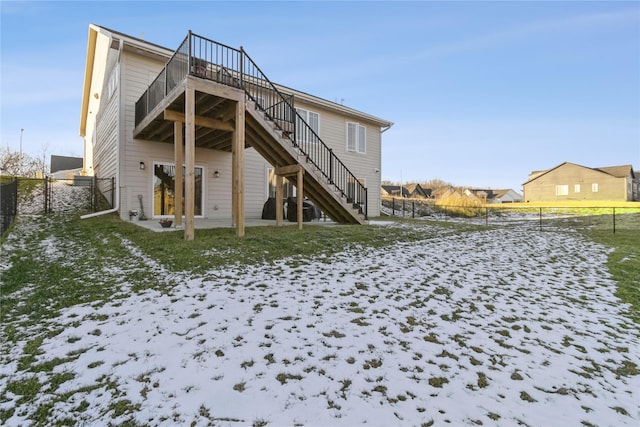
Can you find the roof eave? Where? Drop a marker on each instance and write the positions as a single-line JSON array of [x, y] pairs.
[[88, 73]]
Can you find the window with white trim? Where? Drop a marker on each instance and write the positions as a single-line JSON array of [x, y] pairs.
[[356, 137], [562, 190], [313, 120], [594, 187], [576, 188]]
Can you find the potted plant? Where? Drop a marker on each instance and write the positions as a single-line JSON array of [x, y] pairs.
[[166, 222]]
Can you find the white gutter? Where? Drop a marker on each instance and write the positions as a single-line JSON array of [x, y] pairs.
[[116, 206]]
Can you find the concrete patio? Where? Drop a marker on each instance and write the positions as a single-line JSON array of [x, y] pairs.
[[153, 224]]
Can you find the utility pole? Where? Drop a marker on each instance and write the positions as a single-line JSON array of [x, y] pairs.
[[21, 131]]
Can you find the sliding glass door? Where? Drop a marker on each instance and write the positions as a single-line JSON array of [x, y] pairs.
[[164, 182]]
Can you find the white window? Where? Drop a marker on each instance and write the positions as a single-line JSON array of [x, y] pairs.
[[594, 187], [356, 137], [562, 190], [576, 188], [313, 120]]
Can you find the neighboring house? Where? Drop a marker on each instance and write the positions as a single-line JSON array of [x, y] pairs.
[[146, 108], [569, 181], [416, 191], [408, 191], [495, 196], [64, 167]]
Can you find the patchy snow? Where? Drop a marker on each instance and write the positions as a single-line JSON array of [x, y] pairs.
[[499, 327]]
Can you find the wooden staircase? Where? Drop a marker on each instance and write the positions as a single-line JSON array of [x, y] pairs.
[[277, 148]]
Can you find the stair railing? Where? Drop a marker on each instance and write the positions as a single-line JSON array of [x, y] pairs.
[[201, 57]]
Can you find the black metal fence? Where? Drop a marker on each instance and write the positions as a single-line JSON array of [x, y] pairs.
[[8, 203], [34, 196], [614, 218]]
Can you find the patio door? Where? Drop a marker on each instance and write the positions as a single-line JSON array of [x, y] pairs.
[[164, 189]]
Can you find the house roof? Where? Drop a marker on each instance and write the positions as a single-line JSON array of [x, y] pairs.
[[141, 46], [63, 163], [616, 171], [390, 189], [492, 194], [144, 47]]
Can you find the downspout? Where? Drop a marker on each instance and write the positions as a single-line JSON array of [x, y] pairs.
[[116, 203]]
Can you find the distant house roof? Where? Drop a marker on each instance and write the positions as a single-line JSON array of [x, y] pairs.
[[64, 163], [615, 171], [408, 191], [493, 194], [394, 190]]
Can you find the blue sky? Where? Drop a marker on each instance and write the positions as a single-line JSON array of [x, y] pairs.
[[480, 93]]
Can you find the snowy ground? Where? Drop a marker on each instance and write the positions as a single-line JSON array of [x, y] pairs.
[[494, 327]]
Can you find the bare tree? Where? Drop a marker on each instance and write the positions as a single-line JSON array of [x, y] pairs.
[[15, 164]]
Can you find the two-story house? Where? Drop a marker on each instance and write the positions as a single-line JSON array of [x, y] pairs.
[[201, 132]]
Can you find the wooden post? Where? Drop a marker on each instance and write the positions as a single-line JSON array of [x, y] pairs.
[[300, 197], [189, 160], [179, 160], [238, 169], [279, 201]]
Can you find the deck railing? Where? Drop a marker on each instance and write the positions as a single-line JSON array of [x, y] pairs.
[[200, 57]]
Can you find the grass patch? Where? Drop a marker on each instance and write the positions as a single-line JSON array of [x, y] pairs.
[[438, 382], [624, 264]]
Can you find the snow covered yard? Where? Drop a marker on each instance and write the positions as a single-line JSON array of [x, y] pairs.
[[491, 327]]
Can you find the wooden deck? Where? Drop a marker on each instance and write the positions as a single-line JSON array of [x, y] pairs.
[[211, 120]]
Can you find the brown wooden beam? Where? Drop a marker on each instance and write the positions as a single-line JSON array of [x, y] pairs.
[[189, 160], [206, 122], [179, 160], [289, 170], [279, 200], [238, 168], [300, 195]]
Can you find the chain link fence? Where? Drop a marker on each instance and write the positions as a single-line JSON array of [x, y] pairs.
[[626, 216]]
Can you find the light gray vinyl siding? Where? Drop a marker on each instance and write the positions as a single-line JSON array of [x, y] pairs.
[[255, 181], [106, 141], [135, 76], [333, 132]]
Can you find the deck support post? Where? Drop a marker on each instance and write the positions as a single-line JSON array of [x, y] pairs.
[[300, 197], [279, 200], [237, 172], [281, 172], [178, 142], [189, 160]]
